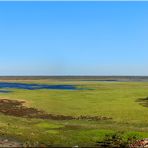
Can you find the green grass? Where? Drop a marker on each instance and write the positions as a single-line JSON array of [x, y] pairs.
[[113, 99]]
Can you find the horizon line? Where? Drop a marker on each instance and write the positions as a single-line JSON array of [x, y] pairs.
[[73, 75]]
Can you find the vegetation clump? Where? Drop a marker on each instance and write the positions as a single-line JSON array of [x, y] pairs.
[[117, 140], [16, 108]]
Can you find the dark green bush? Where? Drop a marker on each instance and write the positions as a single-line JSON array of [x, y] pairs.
[[116, 140]]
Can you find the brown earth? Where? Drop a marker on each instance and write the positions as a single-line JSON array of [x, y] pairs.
[[9, 143], [139, 143], [16, 108]]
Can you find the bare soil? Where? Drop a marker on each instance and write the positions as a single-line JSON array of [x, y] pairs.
[[9, 143]]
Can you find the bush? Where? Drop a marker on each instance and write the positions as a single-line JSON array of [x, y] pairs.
[[116, 140]]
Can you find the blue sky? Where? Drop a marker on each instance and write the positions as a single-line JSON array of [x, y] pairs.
[[73, 38]]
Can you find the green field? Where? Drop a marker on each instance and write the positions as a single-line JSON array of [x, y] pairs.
[[117, 100]]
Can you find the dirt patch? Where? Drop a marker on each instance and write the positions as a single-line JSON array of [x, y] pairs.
[[139, 143], [143, 101], [16, 108], [9, 143]]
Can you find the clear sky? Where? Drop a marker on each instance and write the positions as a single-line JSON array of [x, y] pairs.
[[73, 38]]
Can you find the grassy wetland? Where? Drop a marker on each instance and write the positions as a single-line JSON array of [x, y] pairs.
[[69, 117]]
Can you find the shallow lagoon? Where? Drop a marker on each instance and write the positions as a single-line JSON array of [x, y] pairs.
[[4, 85]]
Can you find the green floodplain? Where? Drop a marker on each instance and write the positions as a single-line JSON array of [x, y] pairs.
[[121, 107]]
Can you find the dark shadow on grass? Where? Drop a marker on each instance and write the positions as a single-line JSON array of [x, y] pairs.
[[143, 101]]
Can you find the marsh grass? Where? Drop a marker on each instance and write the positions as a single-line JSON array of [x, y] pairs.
[[117, 100]]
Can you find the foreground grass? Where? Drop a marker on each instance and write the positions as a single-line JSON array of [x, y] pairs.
[[113, 99]]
